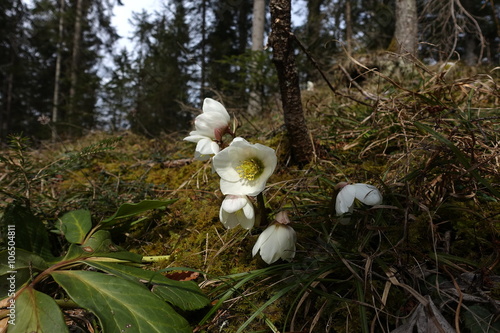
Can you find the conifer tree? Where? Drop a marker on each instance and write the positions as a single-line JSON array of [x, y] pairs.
[[162, 77]]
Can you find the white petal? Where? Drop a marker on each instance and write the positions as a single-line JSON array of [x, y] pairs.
[[233, 203], [229, 159], [368, 194], [244, 221], [211, 105], [249, 188], [229, 220], [207, 147], [285, 240], [278, 242], [225, 165], [194, 137], [345, 200], [207, 123], [249, 217], [263, 237]]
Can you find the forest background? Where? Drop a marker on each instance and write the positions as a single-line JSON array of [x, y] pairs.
[[60, 64], [399, 94]]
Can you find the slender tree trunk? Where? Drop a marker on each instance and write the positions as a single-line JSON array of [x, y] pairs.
[[258, 23], [406, 33], [5, 121], [203, 42], [55, 100], [284, 60], [348, 27], [74, 59]]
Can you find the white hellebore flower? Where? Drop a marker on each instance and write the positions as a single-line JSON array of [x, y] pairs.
[[237, 210], [244, 167], [210, 127], [367, 194], [277, 241]]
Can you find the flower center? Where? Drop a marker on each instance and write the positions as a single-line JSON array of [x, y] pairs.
[[250, 169]]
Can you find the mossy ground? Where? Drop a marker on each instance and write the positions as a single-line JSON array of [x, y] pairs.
[[440, 212]]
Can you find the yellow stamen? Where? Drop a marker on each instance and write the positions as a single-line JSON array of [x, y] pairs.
[[250, 169]]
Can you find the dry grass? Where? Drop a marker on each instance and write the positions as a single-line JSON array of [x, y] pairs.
[[428, 139]]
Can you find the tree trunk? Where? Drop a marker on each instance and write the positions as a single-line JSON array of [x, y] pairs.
[[74, 59], [284, 60], [348, 27], [55, 100], [406, 33], [258, 23], [203, 45]]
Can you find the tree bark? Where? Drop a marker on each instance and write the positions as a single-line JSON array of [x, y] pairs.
[[284, 60], [406, 33], [55, 99], [258, 23], [74, 58], [203, 47], [348, 27]]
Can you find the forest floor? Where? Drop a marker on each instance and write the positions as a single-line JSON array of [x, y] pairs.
[[428, 256]]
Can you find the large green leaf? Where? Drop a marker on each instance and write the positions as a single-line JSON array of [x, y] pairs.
[[101, 245], [75, 225], [30, 232], [23, 259], [479, 319], [128, 210], [184, 294], [36, 312], [120, 304], [23, 267]]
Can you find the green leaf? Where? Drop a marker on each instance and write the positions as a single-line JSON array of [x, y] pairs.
[[101, 245], [120, 304], [22, 268], [24, 259], [75, 225], [479, 319], [184, 294], [29, 231], [36, 313], [128, 210]]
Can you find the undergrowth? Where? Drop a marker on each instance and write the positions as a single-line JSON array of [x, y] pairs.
[[428, 139]]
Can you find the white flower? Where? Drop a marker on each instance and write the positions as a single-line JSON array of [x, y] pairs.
[[237, 210], [277, 241], [367, 194], [210, 126], [244, 167]]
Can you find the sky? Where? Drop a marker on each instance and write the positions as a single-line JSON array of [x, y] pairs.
[[122, 15]]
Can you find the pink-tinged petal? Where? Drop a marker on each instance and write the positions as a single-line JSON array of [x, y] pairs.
[[368, 194], [207, 123], [345, 200], [282, 217]]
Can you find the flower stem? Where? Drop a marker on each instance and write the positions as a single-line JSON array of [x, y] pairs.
[[261, 216]]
